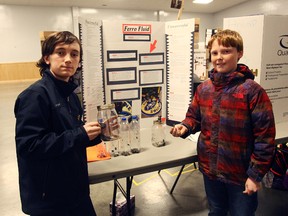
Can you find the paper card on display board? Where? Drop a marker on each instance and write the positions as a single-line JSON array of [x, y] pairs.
[[181, 36], [92, 79]]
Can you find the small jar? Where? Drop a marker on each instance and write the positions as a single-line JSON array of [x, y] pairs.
[[108, 119], [158, 133]]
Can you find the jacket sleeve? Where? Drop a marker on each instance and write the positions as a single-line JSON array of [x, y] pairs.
[[36, 134], [192, 118], [93, 142], [264, 135]]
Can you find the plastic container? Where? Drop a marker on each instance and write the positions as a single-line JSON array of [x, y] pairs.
[[135, 135], [124, 142], [158, 133]]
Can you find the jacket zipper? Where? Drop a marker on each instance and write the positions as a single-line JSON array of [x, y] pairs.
[[68, 104], [45, 181]]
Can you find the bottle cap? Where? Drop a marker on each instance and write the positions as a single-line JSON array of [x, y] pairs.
[[105, 106]]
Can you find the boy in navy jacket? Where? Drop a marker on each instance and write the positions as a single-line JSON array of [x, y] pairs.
[[51, 138]]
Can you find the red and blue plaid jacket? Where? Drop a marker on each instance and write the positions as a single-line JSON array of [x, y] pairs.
[[235, 117]]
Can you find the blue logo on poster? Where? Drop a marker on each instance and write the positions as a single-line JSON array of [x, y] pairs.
[[284, 41]]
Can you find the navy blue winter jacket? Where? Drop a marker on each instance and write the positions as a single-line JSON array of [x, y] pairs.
[[51, 146]]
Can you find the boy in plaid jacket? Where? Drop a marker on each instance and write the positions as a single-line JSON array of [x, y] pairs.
[[234, 114]]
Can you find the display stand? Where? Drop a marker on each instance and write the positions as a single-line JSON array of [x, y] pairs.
[[265, 52]]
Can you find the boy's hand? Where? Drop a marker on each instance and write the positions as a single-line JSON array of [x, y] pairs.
[[93, 129], [251, 186], [178, 130]]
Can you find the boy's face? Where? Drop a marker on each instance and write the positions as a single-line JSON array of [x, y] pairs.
[[224, 59], [64, 61]]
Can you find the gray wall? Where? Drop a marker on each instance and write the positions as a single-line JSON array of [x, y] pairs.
[[20, 29], [20, 25], [253, 7]]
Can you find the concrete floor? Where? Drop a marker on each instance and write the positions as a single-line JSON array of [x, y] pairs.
[[151, 190]]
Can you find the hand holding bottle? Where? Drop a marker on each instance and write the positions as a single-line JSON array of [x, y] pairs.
[[93, 129]]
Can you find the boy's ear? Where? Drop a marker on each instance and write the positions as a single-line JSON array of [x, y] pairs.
[[46, 59], [240, 54]]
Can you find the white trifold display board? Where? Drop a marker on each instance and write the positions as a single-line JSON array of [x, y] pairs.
[[127, 61], [266, 53], [134, 60]]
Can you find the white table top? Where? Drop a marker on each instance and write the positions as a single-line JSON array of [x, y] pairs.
[[177, 152]]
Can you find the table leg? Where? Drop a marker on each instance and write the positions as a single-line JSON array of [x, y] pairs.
[[128, 190], [126, 194], [114, 198], [178, 176]]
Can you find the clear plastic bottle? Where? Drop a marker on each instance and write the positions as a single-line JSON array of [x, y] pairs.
[[135, 135], [158, 133], [124, 144]]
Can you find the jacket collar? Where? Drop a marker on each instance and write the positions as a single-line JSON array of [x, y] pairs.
[[65, 88]]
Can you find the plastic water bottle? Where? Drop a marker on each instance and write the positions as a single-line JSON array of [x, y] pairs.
[[158, 133], [135, 135], [124, 144]]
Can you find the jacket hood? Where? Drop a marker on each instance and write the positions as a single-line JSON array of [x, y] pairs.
[[242, 73]]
